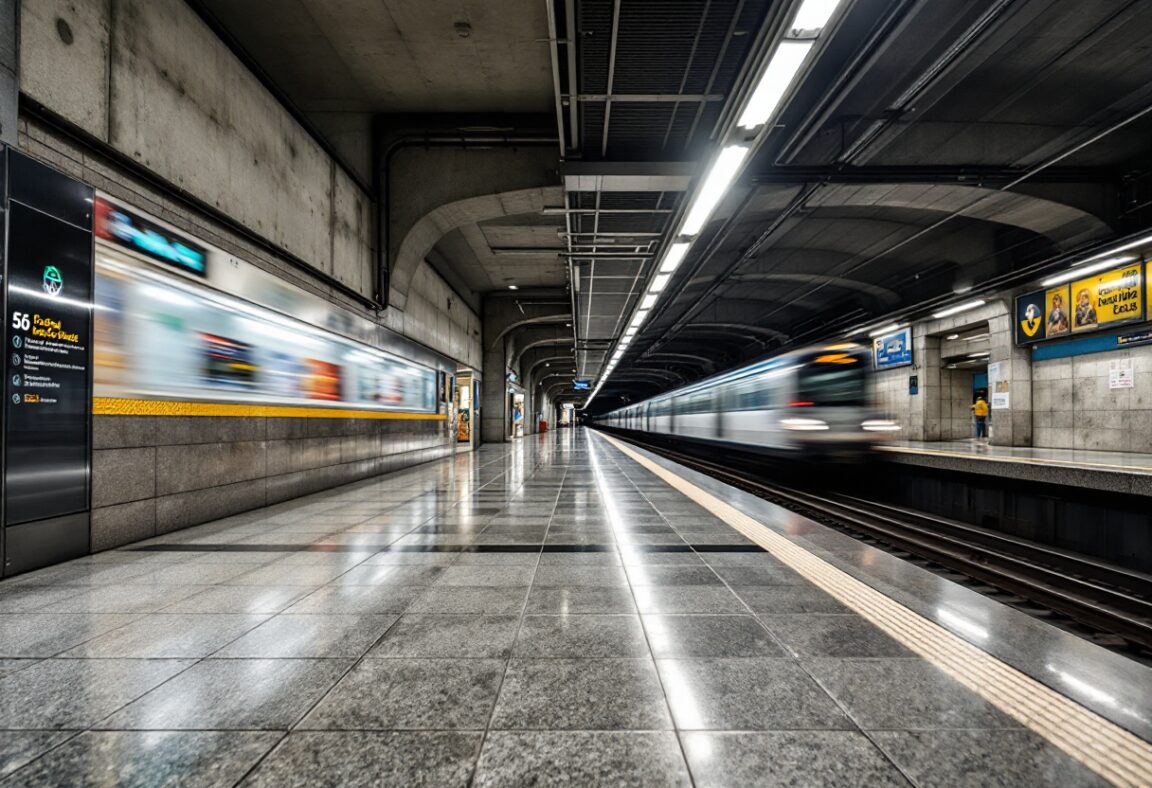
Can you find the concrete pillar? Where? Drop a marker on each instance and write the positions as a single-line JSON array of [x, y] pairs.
[[1011, 426], [9, 69]]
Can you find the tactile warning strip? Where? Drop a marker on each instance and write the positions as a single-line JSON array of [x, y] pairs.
[[1107, 749]]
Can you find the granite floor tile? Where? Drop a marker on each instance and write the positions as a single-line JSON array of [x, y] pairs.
[[580, 600], [390, 575], [164, 635], [487, 576], [747, 694], [123, 599], [10, 666], [759, 576], [581, 694], [232, 694], [904, 694], [601, 558], [572, 576], [313, 636], [465, 600], [641, 575], [75, 693], [156, 759], [48, 634], [369, 759], [493, 559], [687, 599], [411, 694], [30, 599], [20, 747], [556, 758], [449, 637], [288, 575], [412, 559], [978, 758], [808, 758], [788, 599], [377, 600], [251, 600], [832, 635], [581, 637], [709, 636]]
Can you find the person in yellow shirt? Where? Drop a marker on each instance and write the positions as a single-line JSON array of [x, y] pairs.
[[980, 411]]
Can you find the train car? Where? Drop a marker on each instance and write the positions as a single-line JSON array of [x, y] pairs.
[[812, 403]]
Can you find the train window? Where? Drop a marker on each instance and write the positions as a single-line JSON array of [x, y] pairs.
[[832, 384]]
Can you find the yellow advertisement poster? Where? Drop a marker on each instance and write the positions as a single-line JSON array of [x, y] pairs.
[[1057, 317], [1110, 297]]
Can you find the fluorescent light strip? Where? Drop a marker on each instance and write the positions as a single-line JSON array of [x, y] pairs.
[[715, 186], [659, 283], [955, 310], [812, 17], [674, 257], [649, 301], [775, 82], [1145, 241], [1076, 273], [885, 329]]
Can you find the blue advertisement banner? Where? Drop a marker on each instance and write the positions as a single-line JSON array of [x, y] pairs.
[[892, 350]]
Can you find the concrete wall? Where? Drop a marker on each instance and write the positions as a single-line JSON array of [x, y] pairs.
[[154, 475], [150, 79], [436, 316], [1073, 407]]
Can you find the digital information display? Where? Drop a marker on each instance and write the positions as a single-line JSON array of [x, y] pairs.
[[47, 365], [48, 355], [892, 350]]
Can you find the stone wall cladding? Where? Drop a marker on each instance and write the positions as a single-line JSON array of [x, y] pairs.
[[155, 475]]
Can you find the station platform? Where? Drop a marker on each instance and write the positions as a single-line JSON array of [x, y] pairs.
[[1125, 472], [565, 609]]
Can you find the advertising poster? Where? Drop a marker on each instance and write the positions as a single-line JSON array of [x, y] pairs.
[[1030, 317], [1107, 298], [999, 387], [892, 350], [1057, 320]]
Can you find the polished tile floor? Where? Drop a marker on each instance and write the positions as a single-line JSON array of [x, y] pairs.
[[547, 612]]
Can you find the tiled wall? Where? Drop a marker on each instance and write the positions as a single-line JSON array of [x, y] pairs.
[[153, 475], [1074, 408]]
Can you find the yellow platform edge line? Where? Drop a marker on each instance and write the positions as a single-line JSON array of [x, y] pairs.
[[1109, 750], [114, 406]]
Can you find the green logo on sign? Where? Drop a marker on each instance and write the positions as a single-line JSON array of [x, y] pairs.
[[53, 280]]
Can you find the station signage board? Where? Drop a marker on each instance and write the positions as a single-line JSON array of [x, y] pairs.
[[893, 350], [47, 365], [1101, 301], [582, 385]]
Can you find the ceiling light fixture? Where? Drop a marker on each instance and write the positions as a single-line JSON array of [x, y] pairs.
[[715, 186], [955, 310], [777, 78], [659, 283], [952, 336], [812, 18], [1076, 273], [674, 256], [649, 301], [888, 329], [1145, 241], [513, 287]]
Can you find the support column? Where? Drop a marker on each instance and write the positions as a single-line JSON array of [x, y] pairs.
[[9, 69], [1011, 426]]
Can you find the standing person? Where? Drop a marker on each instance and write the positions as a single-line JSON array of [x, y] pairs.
[[980, 411]]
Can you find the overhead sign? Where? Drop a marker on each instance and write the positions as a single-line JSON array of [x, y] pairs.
[[120, 226], [893, 350], [582, 385], [1108, 298]]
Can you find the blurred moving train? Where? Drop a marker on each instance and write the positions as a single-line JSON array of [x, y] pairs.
[[812, 403], [166, 329]]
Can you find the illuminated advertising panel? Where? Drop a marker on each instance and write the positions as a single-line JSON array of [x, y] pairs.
[[1107, 298], [892, 350]]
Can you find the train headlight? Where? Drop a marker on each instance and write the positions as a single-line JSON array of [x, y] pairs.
[[880, 425], [801, 425]]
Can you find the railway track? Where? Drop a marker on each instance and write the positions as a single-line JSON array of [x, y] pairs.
[[1110, 605]]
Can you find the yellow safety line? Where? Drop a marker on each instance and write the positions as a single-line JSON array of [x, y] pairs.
[[1009, 459], [1104, 747], [112, 406]]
